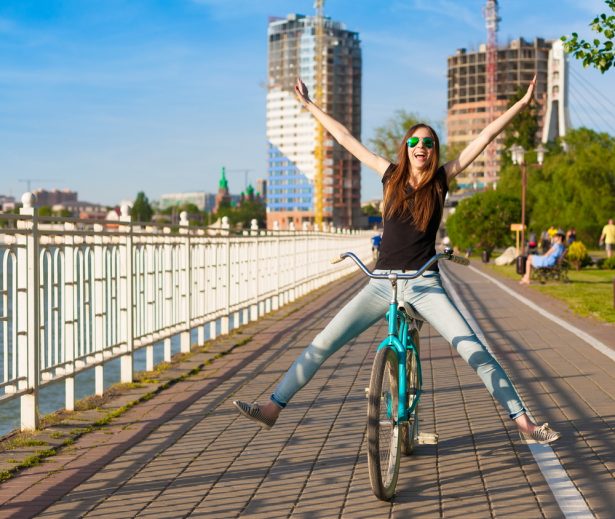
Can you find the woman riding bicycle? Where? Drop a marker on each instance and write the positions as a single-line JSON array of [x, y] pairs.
[[414, 192]]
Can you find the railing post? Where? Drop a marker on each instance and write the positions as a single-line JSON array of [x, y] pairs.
[[69, 313], [150, 295], [276, 303], [201, 284], [254, 314], [168, 291], [28, 293], [184, 338], [99, 297], [126, 360], [224, 320]]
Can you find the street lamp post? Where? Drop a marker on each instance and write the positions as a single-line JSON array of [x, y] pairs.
[[518, 157]]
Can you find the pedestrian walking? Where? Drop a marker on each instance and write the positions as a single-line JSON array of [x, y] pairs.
[[608, 238]]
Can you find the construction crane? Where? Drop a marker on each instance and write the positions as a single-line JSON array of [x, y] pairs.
[[491, 22], [319, 152], [28, 181]]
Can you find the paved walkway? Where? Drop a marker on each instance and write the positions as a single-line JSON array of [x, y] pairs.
[[186, 452]]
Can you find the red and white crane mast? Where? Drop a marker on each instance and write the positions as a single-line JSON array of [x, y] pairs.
[[491, 67]]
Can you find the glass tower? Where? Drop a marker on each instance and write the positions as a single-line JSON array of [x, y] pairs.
[[291, 131]]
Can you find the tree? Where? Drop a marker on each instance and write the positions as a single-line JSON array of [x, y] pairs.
[[243, 214], [598, 54], [483, 221], [141, 209], [250, 210], [45, 210], [370, 210], [575, 188]]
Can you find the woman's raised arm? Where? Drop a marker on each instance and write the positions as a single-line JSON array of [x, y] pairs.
[[340, 133], [490, 132]]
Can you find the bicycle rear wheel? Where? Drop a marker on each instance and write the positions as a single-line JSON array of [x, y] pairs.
[[383, 434], [410, 430]]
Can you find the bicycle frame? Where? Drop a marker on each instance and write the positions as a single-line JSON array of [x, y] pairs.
[[400, 341], [399, 321]]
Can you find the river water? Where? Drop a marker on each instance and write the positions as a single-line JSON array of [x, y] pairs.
[[52, 395]]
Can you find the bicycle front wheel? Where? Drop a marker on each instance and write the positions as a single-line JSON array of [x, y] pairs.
[[410, 430], [383, 434]]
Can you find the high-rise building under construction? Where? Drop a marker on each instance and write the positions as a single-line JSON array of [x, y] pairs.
[[468, 111], [310, 177]]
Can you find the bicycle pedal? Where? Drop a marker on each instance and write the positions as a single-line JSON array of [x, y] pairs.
[[427, 438]]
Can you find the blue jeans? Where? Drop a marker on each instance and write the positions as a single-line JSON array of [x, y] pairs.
[[429, 298]]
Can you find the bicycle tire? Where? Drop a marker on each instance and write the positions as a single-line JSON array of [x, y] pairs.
[[382, 426], [410, 430]]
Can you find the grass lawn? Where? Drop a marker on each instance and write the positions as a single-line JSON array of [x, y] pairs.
[[589, 293]]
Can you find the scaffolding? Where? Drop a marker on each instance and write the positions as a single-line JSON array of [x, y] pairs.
[[319, 152]]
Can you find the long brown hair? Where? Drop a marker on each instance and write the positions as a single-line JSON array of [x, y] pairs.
[[426, 196]]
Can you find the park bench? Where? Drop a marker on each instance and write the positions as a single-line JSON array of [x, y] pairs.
[[558, 272]]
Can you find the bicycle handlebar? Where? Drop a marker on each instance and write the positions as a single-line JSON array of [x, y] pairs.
[[446, 254]]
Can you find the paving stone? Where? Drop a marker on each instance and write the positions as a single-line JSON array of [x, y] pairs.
[[187, 453]]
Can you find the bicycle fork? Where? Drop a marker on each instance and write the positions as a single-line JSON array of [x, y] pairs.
[[398, 328]]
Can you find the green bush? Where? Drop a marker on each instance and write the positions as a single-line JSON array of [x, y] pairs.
[[608, 263], [577, 255], [483, 221]]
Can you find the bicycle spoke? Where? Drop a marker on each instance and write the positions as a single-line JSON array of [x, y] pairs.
[[383, 426]]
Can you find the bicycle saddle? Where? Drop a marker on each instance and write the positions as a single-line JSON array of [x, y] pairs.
[[412, 313]]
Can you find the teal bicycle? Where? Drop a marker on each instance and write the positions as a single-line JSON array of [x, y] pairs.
[[395, 385]]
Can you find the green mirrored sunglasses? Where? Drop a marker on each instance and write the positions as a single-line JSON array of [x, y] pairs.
[[413, 141]]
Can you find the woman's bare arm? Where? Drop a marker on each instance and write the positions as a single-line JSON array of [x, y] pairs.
[[340, 133], [490, 132]]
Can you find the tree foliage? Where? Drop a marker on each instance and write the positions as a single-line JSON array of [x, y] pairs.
[[574, 188], [243, 215], [45, 210], [370, 210], [483, 221], [141, 209], [577, 188], [596, 53]]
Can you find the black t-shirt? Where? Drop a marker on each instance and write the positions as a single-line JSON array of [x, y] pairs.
[[403, 245]]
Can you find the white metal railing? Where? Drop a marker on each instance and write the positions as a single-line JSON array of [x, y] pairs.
[[75, 294]]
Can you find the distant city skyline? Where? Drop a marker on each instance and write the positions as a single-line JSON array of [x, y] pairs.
[[117, 97]]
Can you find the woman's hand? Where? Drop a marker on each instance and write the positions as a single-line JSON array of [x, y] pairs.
[[527, 98], [302, 93], [493, 129]]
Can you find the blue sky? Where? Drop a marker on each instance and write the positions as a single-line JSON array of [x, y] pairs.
[[112, 97]]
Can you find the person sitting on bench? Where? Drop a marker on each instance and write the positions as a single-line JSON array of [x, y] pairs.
[[547, 260]]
